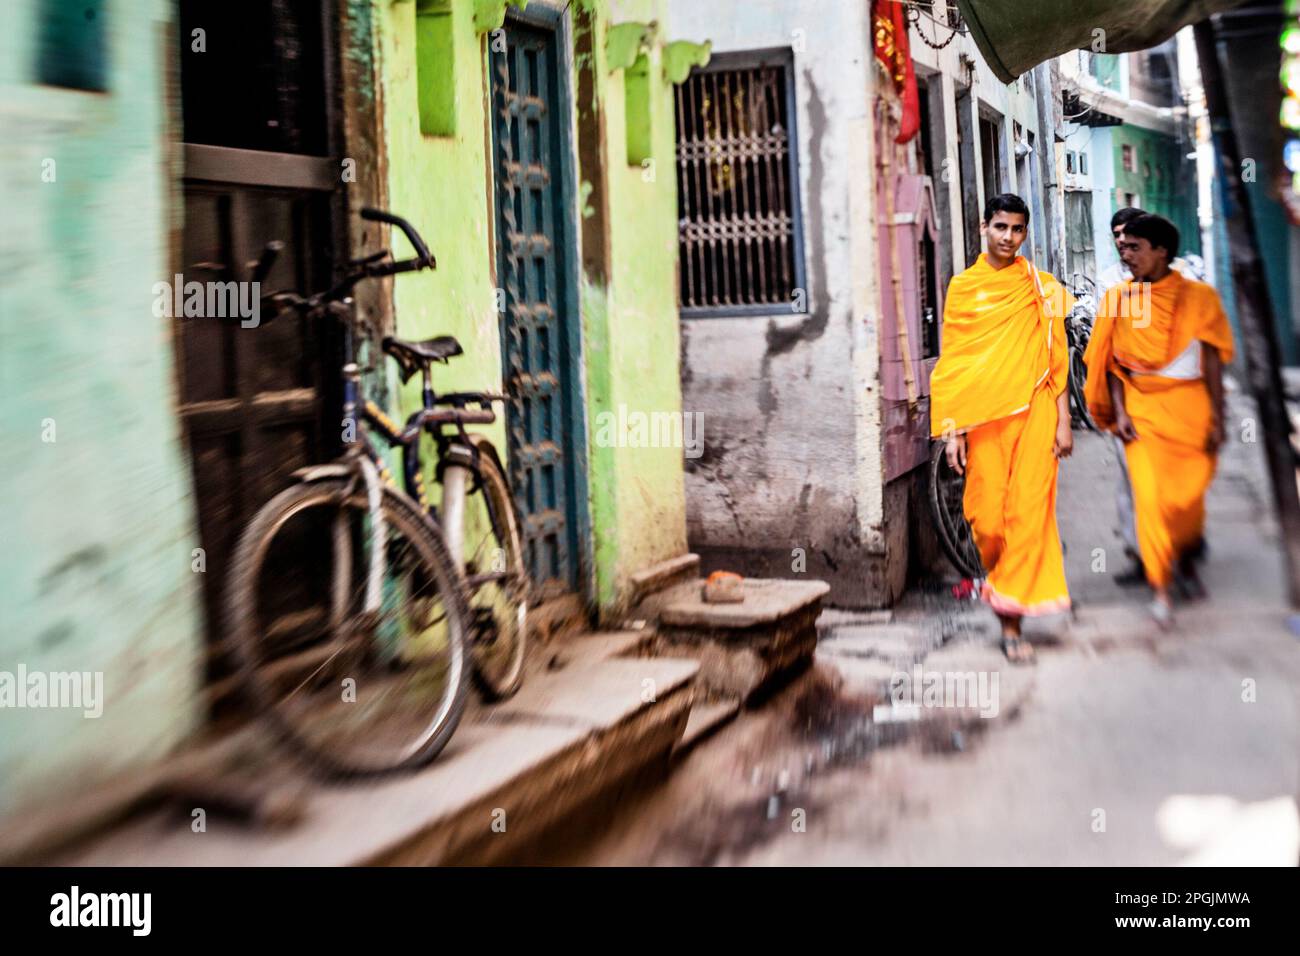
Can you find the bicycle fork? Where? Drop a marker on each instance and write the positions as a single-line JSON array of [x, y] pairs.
[[456, 472], [374, 505]]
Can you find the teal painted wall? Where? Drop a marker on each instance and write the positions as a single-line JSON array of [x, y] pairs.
[[1165, 181], [1273, 232], [98, 525], [1105, 67]]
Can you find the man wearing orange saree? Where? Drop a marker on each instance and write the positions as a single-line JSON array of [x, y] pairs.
[[1155, 378], [998, 398]]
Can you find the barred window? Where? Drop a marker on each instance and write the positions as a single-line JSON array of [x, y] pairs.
[[739, 242]]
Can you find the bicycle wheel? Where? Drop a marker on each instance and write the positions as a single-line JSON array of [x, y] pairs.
[[1078, 376], [949, 517], [356, 693], [496, 580]]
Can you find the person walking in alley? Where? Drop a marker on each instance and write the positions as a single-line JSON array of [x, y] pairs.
[[998, 398], [1114, 275], [1155, 378]]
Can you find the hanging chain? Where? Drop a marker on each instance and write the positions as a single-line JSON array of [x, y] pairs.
[[915, 12]]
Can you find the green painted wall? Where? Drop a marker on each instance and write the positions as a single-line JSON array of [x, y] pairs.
[[1165, 182], [641, 362], [97, 528], [443, 183]]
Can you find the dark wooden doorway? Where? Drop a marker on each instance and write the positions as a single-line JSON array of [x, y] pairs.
[[259, 145]]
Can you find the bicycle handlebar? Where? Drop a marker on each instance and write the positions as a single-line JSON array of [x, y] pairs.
[[421, 250], [368, 267]]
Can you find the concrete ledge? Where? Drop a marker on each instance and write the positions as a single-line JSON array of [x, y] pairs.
[[521, 766], [767, 601]]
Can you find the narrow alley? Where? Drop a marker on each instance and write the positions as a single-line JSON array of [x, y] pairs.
[[1124, 745]]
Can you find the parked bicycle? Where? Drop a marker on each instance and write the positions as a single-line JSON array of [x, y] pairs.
[[356, 610], [1078, 330], [947, 489]]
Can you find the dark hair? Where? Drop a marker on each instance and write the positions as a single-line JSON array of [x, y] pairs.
[[1157, 230], [1124, 216], [1005, 202]]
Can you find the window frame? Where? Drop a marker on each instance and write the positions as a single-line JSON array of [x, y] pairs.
[[731, 61]]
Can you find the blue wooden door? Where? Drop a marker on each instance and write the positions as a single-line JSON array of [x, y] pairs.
[[540, 334]]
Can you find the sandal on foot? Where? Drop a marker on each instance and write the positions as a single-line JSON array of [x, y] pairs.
[[1162, 614], [1018, 650]]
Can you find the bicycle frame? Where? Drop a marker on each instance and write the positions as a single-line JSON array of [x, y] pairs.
[[458, 458]]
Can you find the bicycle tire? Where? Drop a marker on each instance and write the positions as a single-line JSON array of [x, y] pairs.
[[953, 530], [1078, 372], [499, 654], [247, 639]]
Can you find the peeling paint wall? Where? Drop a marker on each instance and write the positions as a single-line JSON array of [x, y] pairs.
[[792, 408], [98, 524]]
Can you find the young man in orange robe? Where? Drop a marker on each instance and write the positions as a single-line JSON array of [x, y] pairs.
[[1155, 378], [998, 399]]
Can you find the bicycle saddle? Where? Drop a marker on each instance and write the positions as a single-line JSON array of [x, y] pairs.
[[414, 356]]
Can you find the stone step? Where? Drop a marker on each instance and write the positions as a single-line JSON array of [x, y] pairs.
[[510, 772], [768, 601], [705, 720], [744, 648]]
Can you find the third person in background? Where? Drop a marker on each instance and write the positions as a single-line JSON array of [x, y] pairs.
[[1155, 378]]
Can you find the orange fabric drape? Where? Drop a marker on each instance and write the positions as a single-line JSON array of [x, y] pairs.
[[1143, 326], [1002, 363], [1140, 329], [1010, 502], [1003, 334]]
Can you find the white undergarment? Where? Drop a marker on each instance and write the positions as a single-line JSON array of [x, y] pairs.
[[1186, 366]]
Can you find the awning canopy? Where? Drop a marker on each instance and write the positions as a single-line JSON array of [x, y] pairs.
[[1016, 35]]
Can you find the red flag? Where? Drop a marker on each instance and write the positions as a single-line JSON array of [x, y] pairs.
[[889, 27]]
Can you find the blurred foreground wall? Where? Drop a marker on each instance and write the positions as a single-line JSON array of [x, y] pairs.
[[97, 527]]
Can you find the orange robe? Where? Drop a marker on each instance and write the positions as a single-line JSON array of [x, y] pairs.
[[1141, 328], [1002, 363]]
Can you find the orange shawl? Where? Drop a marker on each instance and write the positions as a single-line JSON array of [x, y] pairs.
[[1003, 336], [1143, 326]]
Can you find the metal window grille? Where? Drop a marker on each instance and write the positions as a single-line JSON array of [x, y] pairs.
[[736, 198]]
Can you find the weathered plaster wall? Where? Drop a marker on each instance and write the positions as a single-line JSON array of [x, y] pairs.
[[792, 456], [98, 524]]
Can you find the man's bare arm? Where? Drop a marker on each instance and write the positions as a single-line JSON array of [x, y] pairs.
[[1123, 424], [1063, 444], [1212, 368]]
